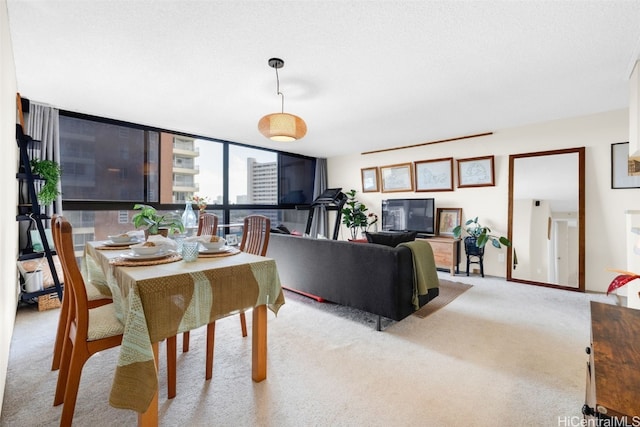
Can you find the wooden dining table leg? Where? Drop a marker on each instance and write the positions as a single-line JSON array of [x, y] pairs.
[[259, 343], [150, 417]]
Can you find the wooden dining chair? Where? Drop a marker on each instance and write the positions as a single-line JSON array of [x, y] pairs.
[[95, 299], [89, 330], [207, 224], [255, 240]]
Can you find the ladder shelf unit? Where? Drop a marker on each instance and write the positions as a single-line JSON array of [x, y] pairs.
[[34, 214]]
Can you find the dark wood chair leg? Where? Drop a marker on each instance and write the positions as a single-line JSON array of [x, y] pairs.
[[243, 324], [185, 342]]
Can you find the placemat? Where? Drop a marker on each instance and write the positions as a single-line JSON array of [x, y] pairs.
[[127, 263], [232, 251], [114, 248]]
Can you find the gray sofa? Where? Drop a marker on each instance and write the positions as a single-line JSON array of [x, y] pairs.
[[370, 277]]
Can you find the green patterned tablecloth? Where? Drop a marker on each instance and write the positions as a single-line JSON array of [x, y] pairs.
[[159, 301]]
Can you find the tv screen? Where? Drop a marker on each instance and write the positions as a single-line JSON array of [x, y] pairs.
[[409, 215]]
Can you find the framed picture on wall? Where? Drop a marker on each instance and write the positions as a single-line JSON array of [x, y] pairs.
[[448, 219], [476, 172], [370, 180], [396, 177], [434, 175], [625, 173]]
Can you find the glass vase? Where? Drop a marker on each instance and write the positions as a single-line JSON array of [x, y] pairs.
[[189, 219]]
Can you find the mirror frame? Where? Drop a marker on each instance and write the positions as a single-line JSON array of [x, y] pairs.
[[581, 217]]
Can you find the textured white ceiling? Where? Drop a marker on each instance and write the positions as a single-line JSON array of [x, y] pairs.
[[364, 75]]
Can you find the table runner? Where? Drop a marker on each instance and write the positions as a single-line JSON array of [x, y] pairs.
[[161, 301]]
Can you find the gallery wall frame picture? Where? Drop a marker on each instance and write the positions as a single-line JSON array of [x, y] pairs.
[[370, 179], [476, 172], [625, 173], [447, 219], [395, 178], [434, 175]]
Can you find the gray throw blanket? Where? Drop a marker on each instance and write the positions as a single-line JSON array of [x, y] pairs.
[[425, 276]]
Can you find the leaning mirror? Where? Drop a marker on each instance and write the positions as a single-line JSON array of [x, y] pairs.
[[546, 218]]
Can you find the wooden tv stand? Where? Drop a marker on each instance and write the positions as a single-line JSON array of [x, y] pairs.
[[446, 252], [613, 377]]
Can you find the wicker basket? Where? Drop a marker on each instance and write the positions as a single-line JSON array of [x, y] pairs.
[[48, 301]]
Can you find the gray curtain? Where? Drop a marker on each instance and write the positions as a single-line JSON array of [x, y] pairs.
[[320, 216], [42, 122]]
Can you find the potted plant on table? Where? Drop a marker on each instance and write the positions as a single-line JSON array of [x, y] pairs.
[[155, 223], [353, 214], [480, 234], [477, 237]]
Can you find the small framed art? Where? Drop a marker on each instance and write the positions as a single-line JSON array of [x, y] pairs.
[[232, 239], [625, 173], [447, 220], [476, 172], [370, 180], [396, 177], [434, 175]]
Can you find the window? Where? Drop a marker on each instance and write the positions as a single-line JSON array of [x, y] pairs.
[[109, 166], [253, 176], [94, 154]]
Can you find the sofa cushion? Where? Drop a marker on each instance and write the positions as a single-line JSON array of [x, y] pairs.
[[391, 238]]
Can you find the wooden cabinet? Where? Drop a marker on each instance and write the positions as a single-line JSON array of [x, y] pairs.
[[613, 370], [446, 251]]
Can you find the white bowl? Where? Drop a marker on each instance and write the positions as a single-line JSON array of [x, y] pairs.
[[214, 245], [146, 250], [120, 238]]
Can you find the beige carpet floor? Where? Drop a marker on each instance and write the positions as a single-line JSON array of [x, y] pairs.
[[448, 292], [500, 354]]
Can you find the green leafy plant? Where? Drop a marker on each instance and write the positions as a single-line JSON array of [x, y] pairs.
[[353, 214], [50, 172], [481, 233], [149, 218]]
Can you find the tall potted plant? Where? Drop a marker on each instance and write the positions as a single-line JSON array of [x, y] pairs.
[[353, 214], [155, 223]]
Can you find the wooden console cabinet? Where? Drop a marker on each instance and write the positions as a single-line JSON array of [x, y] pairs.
[[446, 251], [613, 370]]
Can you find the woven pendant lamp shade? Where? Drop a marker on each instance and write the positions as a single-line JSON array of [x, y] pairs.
[[282, 127]]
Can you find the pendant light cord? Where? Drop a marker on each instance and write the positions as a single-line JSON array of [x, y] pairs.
[[278, 88]]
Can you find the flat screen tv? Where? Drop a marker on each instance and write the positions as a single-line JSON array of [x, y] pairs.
[[409, 215]]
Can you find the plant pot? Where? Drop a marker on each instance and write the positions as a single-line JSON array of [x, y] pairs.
[[164, 232], [470, 247]]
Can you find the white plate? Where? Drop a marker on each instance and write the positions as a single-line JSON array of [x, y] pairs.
[[204, 250], [131, 256]]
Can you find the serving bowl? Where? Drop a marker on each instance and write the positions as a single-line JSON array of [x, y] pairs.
[[214, 245], [120, 238], [141, 249]]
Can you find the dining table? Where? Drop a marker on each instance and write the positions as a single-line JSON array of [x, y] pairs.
[[158, 297]]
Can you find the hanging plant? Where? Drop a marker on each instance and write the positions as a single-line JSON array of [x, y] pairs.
[[50, 172]]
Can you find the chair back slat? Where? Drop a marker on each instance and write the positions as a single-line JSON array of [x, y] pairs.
[[74, 283], [207, 224], [255, 235]]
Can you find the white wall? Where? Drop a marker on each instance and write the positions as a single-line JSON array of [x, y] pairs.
[[9, 228], [605, 207]]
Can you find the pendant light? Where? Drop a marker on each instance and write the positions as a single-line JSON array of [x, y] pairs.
[[281, 126]]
